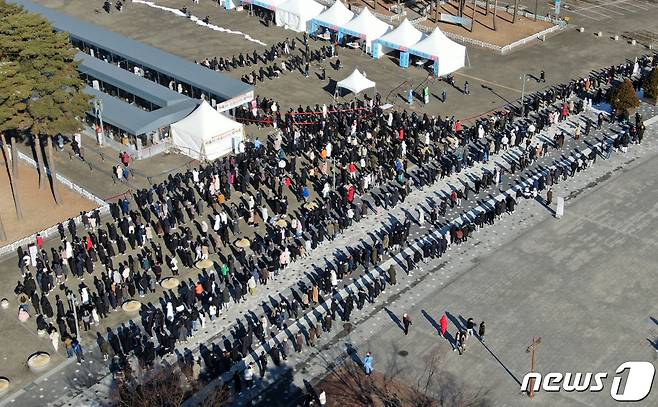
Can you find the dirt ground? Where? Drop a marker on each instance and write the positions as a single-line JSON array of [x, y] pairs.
[[506, 32], [39, 208]]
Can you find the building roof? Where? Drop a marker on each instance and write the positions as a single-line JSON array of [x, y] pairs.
[[137, 121], [150, 57], [129, 82]]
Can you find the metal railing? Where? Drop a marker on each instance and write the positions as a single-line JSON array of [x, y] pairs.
[[501, 49], [154, 150], [523, 41]]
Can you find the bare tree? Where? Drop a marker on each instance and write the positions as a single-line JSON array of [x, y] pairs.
[[347, 384], [495, 14], [160, 388], [473, 16], [421, 397], [163, 386], [351, 376], [516, 9]]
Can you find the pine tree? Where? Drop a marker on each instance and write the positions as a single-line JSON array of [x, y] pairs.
[[651, 85], [13, 116], [623, 97], [46, 59]]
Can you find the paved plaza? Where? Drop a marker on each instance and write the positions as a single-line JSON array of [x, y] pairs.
[[493, 78], [583, 283]]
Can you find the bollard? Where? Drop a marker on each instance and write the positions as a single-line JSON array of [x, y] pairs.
[[581, 29]]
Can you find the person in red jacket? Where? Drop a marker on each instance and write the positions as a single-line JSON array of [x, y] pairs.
[[350, 193], [443, 322], [39, 241]]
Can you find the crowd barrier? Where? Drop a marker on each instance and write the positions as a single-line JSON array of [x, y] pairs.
[[103, 207]]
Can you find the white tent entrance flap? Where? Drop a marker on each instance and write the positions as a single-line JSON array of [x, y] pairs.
[[366, 27], [296, 15], [356, 82], [206, 134], [334, 17], [448, 56], [401, 38]]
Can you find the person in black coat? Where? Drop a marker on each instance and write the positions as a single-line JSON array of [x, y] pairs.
[[36, 303], [46, 307]]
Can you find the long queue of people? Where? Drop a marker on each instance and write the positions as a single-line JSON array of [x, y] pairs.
[[194, 216], [285, 56]]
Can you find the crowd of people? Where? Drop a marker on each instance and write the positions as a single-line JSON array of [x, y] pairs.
[[325, 170], [285, 56]]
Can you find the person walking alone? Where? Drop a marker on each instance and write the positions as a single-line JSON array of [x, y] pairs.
[[481, 331], [367, 364], [549, 196], [443, 323], [406, 321]]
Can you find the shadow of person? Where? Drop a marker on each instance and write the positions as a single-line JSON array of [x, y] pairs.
[[354, 354], [432, 321], [394, 318]]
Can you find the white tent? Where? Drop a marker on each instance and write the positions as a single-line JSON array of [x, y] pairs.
[[335, 16], [356, 82], [450, 55], [366, 26], [297, 14], [403, 36], [268, 4], [206, 134]]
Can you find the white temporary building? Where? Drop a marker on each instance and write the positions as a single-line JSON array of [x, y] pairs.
[[335, 16], [403, 36], [447, 54], [356, 82], [206, 134], [296, 15], [365, 26]]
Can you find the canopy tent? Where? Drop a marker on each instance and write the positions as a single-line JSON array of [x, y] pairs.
[[356, 82], [297, 14], [206, 133], [365, 26], [401, 38], [268, 4], [333, 18], [448, 56]]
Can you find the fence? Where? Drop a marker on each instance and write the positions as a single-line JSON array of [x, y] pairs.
[[135, 153], [153, 150], [501, 49], [538, 36], [390, 18], [103, 207]]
